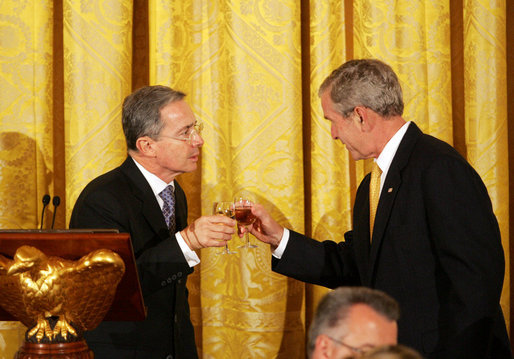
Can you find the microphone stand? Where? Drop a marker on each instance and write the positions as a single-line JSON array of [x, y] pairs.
[[46, 200], [55, 201]]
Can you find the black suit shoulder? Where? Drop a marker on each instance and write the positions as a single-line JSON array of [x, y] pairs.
[[418, 147], [117, 196], [432, 149], [440, 161], [101, 202]]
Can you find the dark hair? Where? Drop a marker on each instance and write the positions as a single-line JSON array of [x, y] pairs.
[[365, 82], [141, 113], [334, 307]]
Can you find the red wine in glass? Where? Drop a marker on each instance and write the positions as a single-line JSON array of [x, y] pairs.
[[244, 217]]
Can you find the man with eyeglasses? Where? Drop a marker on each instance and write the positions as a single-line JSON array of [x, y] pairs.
[[142, 198], [350, 321]]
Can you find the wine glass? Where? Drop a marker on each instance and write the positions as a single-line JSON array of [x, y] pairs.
[[244, 217], [224, 208]]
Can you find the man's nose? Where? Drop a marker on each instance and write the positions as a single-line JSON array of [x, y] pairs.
[[197, 141]]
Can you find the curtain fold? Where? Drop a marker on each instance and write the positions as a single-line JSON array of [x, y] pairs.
[[251, 71], [97, 48], [485, 109], [26, 136], [331, 186]]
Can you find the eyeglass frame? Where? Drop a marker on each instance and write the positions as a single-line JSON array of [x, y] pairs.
[[196, 130], [359, 350]]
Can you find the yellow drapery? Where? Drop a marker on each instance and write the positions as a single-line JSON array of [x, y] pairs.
[[251, 70]]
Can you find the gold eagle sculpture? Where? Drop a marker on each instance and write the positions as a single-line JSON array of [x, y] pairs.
[[38, 289]]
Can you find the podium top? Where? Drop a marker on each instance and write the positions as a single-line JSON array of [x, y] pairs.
[[72, 245]]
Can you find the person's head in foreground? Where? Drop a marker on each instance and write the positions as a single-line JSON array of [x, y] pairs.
[[397, 351], [351, 321]]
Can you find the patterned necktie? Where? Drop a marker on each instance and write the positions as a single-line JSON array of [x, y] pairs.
[[374, 195], [168, 209]]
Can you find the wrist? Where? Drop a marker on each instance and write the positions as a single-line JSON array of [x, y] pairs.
[[278, 238], [190, 238]]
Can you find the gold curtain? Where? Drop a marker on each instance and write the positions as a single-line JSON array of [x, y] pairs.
[[26, 135], [251, 70]]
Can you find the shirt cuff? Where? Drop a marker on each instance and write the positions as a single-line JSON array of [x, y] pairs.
[[190, 255], [277, 253]]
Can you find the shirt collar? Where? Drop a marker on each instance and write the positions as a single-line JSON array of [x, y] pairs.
[[157, 184], [385, 158]]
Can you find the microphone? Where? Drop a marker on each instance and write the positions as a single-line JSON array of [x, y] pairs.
[[56, 201], [46, 200]]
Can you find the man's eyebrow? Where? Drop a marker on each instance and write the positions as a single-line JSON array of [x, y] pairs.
[[187, 127]]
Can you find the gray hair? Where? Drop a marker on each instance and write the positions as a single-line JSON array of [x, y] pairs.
[[365, 82], [141, 113], [333, 309]]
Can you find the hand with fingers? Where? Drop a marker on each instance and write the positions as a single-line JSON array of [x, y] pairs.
[[265, 228], [209, 231]]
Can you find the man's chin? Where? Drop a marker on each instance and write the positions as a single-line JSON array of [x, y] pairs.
[[192, 167], [354, 154]]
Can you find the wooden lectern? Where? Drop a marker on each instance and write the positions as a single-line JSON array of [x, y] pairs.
[[71, 245]]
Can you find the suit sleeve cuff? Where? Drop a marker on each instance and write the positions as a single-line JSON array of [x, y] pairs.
[[191, 257], [277, 253]]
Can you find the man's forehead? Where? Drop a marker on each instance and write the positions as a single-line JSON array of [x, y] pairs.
[[366, 322], [178, 114], [363, 316]]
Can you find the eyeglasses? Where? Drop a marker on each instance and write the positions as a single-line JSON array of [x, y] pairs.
[[359, 350], [191, 136]]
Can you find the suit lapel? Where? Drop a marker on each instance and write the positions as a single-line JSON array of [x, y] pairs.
[[392, 184], [360, 231], [142, 190], [180, 207]]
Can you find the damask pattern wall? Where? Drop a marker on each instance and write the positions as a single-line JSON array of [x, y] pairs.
[[251, 70]]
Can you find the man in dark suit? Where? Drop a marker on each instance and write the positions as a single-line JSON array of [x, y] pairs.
[[434, 245], [141, 197]]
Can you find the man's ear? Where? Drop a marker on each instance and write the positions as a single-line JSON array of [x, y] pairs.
[[366, 121], [361, 113], [146, 146], [323, 348]]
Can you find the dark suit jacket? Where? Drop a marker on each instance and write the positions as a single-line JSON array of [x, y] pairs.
[[123, 199], [436, 249]]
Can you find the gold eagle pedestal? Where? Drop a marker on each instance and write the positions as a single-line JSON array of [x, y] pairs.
[[57, 298]]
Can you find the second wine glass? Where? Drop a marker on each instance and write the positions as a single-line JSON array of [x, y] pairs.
[[244, 217], [227, 209]]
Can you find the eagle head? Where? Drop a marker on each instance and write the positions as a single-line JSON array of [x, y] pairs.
[[25, 259]]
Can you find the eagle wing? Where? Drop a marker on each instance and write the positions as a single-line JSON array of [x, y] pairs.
[[89, 287], [12, 294]]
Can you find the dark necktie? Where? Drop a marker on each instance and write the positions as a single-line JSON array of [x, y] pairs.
[[168, 209]]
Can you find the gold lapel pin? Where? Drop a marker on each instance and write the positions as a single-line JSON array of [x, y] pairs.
[[390, 189]]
